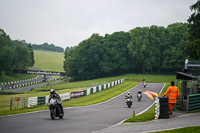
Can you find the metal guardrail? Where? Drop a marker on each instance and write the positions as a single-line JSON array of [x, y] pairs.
[[193, 103]]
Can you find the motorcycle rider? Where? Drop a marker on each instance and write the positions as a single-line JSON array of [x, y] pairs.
[[54, 95], [144, 83], [128, 95], [139, 92]]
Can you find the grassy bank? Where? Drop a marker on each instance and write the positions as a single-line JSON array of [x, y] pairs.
[[147, 116], [15, 77], [49, 61]]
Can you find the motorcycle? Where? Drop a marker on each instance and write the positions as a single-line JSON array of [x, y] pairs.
[[129, 102], [139, 96], [55, 109]]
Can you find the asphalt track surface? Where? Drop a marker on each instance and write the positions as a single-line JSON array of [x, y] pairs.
[[85, 119]]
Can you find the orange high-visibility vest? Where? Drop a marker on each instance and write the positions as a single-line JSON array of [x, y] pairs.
[[173, 94]]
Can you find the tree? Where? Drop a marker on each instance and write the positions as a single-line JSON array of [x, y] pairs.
[[48, 47], [138, 47], [6, 59], [6, 53], [31, 55], [82, 62], [115, 59], [176, 40], [193, 47], [22, 58]]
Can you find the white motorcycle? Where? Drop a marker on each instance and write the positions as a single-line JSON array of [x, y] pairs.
[[55, 109], [129, 102]]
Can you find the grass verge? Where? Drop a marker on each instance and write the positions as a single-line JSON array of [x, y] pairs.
[[194, 129], [146, 116]]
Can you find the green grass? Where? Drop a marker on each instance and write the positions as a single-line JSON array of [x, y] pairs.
[[16, 77], [70, 87], [131, 80], [147, 116], [194, 129], [101, 96], [82, 101], [78, 84], [49, 61]]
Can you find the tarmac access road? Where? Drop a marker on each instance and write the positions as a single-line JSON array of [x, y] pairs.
[[85, 119], [177, 120]]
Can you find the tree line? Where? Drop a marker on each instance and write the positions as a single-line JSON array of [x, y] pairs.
[[141, 50], [151, 49], [48, 47], [14, 54]]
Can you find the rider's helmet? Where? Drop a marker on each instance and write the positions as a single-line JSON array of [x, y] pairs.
[[129, 92], [139, 91], [52, 91]]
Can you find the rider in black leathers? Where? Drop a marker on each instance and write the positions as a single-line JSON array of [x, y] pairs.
[[54, 95], [139, 92], [128, 96]]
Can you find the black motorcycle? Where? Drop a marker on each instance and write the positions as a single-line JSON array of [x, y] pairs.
[[129, 102], [55, 109], [139, 96]]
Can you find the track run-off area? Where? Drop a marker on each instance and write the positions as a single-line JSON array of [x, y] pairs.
[[83, 119]]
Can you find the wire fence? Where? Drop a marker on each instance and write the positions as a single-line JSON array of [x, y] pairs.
[[15, 103], [4, 105]]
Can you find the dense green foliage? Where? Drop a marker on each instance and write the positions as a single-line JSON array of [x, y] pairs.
[[23, 42], [48, 47], [14, 55], [193, 47], [142, 50]]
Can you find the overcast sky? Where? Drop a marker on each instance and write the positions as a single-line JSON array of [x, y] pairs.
[[68, 22]]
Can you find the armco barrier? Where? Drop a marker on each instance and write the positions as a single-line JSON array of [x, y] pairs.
[[34, 101], [76, 94], [193, 103], [41, 100]]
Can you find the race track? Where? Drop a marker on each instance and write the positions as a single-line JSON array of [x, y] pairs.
[[85, 119]]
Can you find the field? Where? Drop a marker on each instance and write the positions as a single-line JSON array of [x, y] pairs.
[[49, 61], [44, 60]]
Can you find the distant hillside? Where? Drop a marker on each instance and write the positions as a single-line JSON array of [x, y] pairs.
[[48, 47], [49, 61]]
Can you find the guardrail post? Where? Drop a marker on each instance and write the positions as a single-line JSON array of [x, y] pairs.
[[11, 103], [188, 99]]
